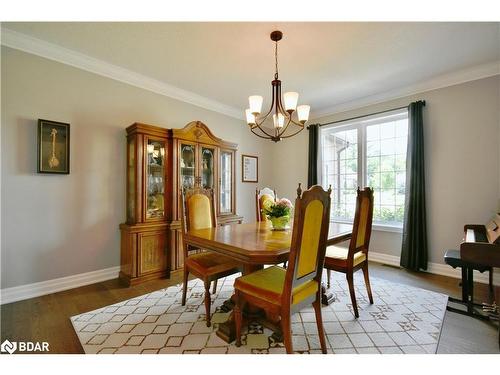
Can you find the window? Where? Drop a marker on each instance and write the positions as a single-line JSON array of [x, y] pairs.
[[369, 151]]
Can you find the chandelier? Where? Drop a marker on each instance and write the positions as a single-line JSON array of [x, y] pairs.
[[283, 124]]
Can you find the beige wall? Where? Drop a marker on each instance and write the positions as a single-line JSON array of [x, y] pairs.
[[55, 226], [462, 148]]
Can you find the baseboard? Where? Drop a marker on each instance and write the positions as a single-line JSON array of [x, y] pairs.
[[22, 292], [434, 268]]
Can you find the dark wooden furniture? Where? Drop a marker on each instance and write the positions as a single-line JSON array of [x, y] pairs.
[[160, 162], [479, 250], [254, 245], [282, 292], [355, 257], [260, 197], [453, 259], [198, 211]]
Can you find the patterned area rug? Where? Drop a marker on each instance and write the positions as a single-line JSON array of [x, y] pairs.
[[403, 319]]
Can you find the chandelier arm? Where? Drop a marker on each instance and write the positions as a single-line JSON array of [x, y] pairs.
[[291, 135], [262, 130], [263, 120], [267, 136], [280, 104], [286, 126], [270, 109]]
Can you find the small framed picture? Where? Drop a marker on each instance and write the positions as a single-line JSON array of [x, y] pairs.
[[53, 147], [249, 168]]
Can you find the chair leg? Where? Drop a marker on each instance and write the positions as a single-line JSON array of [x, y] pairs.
[[328, 275], [207, 302], [319, 322], [350, 282], [184, 286], [237, 317], [367, 283], [214, 287], [286, 329]]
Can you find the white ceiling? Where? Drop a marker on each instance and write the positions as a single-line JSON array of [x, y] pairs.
[[327, 63]]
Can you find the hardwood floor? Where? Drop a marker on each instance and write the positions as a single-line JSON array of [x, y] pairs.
[[46, 318]]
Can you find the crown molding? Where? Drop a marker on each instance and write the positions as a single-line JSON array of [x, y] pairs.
[[35, 46], [445, 80]]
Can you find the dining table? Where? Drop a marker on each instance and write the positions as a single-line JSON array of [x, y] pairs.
[[255, 245]]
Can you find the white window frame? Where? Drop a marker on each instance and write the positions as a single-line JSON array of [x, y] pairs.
[[360, 124]]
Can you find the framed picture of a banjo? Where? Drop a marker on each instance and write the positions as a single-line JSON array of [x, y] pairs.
[[53, 147]]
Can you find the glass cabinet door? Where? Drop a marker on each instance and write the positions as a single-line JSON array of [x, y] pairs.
[[131, 165], [207, 167], [155, 179], [226, 179], [187, 165]]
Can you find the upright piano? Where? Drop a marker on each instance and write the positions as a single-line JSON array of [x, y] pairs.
[[479, 250], [481, 244]]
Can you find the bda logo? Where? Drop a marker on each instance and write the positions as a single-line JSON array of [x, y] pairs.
[[9, 347]]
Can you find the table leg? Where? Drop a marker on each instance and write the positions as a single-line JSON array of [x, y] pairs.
[[327, 297], [227, 330]]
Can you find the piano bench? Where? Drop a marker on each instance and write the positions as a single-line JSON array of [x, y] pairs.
[[452, 258]]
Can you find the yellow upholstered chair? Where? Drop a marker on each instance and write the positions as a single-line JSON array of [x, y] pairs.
[[198, 211], [354, 258], [282, 292], [261, 197]]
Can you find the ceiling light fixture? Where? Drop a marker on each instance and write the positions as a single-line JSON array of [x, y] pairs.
[[281, 110]]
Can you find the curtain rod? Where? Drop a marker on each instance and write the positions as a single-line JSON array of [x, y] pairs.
[[370, 114]]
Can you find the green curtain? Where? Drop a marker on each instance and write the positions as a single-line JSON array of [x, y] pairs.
[[312, 169], [414, 247]]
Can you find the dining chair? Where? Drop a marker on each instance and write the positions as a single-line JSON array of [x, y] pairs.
[[283, 292], [261, 197], [198, 212], [354, 258]]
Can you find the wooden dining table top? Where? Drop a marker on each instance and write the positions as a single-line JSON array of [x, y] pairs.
[[255, 243]]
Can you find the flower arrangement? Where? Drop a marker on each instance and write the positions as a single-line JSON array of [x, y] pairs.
[[281, 208], [278, 212]]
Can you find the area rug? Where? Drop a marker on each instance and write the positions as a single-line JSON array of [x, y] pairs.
[[403, 319]]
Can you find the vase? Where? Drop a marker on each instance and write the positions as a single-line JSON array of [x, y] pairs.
[[280, 223]]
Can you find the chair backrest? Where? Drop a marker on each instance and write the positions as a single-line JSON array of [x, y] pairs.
[[362, 227], [262, 196], [197, 210], [309, 236]]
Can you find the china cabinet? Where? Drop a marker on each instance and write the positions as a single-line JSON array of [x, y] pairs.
[[202, 158], [160, 162], [144, 239]]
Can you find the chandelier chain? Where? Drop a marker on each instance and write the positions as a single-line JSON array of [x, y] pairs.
[[276, 59]]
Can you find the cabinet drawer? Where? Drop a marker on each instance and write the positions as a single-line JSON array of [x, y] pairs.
[[152, 254]]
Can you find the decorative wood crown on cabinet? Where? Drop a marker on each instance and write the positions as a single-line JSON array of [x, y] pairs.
[[160, 162]]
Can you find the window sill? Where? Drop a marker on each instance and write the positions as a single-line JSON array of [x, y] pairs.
[[387, 228], [377, 227]]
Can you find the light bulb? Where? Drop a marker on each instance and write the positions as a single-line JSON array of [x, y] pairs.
[[255, 102], [151, 148], [303, 113], [250, 117], [280, 121], [291, 99]]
